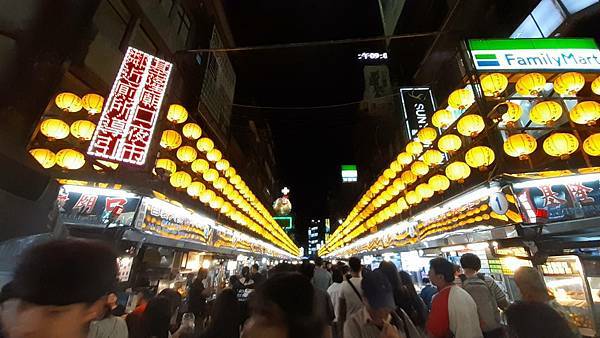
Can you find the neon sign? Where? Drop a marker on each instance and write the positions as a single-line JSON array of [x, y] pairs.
[[130, 113]]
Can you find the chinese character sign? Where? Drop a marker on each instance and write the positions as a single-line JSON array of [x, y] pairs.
[[129, 116], [573, 200]]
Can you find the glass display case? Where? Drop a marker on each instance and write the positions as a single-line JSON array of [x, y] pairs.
[[591, 268], [564, 276]]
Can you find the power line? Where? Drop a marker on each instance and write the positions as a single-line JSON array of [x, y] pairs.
[[311, 43], [313, 107]]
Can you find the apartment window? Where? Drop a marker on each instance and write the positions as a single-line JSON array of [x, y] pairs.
[[574, 6], [548, 15]]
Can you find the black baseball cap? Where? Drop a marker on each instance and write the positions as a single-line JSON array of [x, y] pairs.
[[378, 290]]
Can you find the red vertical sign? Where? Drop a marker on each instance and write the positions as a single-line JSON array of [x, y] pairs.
[[130, 113]]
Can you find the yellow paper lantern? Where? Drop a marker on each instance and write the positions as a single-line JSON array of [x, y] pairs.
[[70, 159], [54, 129], [494, 84], [427, 135], [419, 168], [402, 203], [180, 180], [433, 157], [199, 166], [205, 144], [470, 125], [530, 84], [389, 173], [230, 172], [83, 129], [191, 131], [413, 198], [520, 145], [561, 145], [404, 158], [222, 165], [546, 113], [106, 164], [408, 177], [45, 157], [458, 171], [186, 154], [513, 113], [449, 143], [235, 179], [93, 103], [439, 183], [424, 190], [569, 84], [461, 99], [207, 195], [195, 188], [213, 155], [216, 203], [68, 102], [480, 157], [166, 165], [414, 148], [442, 119], [591, 145], [586, 112], [395, 166], [398, 184], [220, 183], [177, 114], [596, 86], [170, 139], [210, 175]]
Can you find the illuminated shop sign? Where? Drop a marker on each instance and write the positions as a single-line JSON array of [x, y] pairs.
[[349, 173], [559, 198], [372, 56], [79, 205], [130, 113], [418, 106], [535, 54]]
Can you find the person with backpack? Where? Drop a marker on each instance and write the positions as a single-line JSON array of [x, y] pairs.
[[487, 295]]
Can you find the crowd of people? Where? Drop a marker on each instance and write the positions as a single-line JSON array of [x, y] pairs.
[[66, 289]]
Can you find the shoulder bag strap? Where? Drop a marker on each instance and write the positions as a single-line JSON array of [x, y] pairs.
[[355, 290]]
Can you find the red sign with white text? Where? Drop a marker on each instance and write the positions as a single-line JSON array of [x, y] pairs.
[[130, 113]]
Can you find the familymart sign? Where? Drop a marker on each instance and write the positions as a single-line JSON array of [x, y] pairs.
[[535, 54]]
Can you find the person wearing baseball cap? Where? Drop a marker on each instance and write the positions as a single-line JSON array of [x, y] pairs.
[[58, 289], [377, 319]]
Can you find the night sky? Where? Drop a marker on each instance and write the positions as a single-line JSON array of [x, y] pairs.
[[310, 144]]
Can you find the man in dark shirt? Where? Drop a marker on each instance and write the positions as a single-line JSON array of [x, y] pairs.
[[428, 292]]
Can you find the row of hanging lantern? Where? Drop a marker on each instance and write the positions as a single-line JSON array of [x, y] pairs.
[[417, 162], [205, 175], [82, 129]]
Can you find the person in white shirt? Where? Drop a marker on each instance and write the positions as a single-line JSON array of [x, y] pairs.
[[335, 292], [351, 299]]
